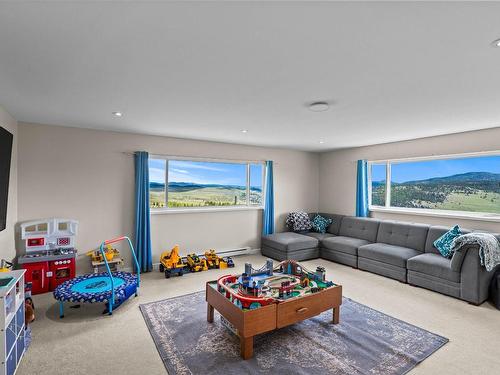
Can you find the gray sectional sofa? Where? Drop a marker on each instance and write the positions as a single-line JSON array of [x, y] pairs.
[[399, 250]]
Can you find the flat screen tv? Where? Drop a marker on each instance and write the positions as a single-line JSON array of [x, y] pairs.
[[5, 156]]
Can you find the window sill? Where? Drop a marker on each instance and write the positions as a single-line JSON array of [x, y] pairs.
[[162, 211], [438, 213]]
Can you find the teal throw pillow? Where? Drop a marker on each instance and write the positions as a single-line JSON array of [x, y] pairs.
[[320, 224], [445, 243]]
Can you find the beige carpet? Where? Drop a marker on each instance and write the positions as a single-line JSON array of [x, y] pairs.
[[85, 342]]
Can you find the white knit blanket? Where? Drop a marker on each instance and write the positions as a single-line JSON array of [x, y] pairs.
[[489, 247]]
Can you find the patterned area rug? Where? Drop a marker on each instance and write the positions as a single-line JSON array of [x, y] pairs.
[[365, 342]]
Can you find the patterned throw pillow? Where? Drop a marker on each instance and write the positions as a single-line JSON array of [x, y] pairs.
[[298, 221], [320, 224], [445, 243]]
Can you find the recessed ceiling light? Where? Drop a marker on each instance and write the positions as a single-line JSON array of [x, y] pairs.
[[117, 114], [496, 43], [319, 107], [321, 142], [244, 131]]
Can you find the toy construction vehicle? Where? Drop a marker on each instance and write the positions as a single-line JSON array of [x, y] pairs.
[[109, 252], [172, 264], [212, 259], [196, 264], [215, 261]]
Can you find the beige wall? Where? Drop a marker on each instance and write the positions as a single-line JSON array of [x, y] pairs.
[[7, 236], [87, 175], [337, 189]]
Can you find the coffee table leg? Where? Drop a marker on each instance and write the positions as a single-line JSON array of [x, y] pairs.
[[336, 315], [246, 347], [210, 313]]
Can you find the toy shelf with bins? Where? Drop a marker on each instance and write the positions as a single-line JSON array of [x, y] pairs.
[[12, 344]]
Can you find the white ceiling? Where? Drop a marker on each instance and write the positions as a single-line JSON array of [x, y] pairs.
[[207, 70]]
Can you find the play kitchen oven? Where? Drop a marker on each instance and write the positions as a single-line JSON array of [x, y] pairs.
[[50, 254], [46, 271]]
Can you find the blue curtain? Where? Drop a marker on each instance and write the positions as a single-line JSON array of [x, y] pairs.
[[362, 189], [142, 221], [268, 219]]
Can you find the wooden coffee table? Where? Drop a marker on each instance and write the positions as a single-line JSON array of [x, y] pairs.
[[250, 323]]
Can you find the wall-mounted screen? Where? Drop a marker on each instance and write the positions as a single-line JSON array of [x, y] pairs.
[[5, 157]]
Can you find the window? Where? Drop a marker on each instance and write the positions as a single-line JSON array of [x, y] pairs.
[[192, 183], [378, 183], [466, 184]]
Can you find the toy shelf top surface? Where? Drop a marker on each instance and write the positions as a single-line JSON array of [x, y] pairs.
[[16, 276]]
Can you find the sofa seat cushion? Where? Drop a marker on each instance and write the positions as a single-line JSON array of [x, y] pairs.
[[343, 244], [434, 265], [319, 236], [289, 241], [390, 254]]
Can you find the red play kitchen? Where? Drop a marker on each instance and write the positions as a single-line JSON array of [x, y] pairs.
[[50, 253]]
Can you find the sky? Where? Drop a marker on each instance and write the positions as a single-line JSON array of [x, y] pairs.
[[421, 170], [205, 172]]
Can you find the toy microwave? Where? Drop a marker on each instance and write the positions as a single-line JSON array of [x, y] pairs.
[[49, 234]]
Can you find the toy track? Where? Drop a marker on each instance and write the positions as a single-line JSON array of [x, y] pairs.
[[290, 275]]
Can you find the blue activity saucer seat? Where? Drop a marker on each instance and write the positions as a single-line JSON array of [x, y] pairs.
[[110, 288]]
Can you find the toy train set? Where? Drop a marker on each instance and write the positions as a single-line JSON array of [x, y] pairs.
[[171, 263], [256, 288]]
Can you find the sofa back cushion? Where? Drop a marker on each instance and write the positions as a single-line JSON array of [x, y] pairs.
[[334, 227], [403, 234], [362, 228], [434, 233], [298, 221]]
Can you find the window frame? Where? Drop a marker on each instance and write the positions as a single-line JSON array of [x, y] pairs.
[[472, 215], [239, 207]]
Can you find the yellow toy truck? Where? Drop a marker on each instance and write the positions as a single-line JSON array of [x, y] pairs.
[[109, 252], [171, 263], [215, 261], [212, 259], [195, 263]]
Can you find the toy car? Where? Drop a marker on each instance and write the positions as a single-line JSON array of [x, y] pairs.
[[226, 262], [196, 264], [171, 263]]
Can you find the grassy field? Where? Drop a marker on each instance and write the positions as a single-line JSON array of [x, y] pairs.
[[203, 197], [479, 201], [474, 200]]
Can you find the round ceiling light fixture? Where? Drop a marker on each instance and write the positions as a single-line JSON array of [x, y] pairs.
[[117, 114], [244, 130], [496, 43], [319, 106], [321, 142]]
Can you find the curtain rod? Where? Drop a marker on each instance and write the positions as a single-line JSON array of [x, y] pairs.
[[200, 158]]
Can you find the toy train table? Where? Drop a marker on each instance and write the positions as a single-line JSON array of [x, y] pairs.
[[269, 298]]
